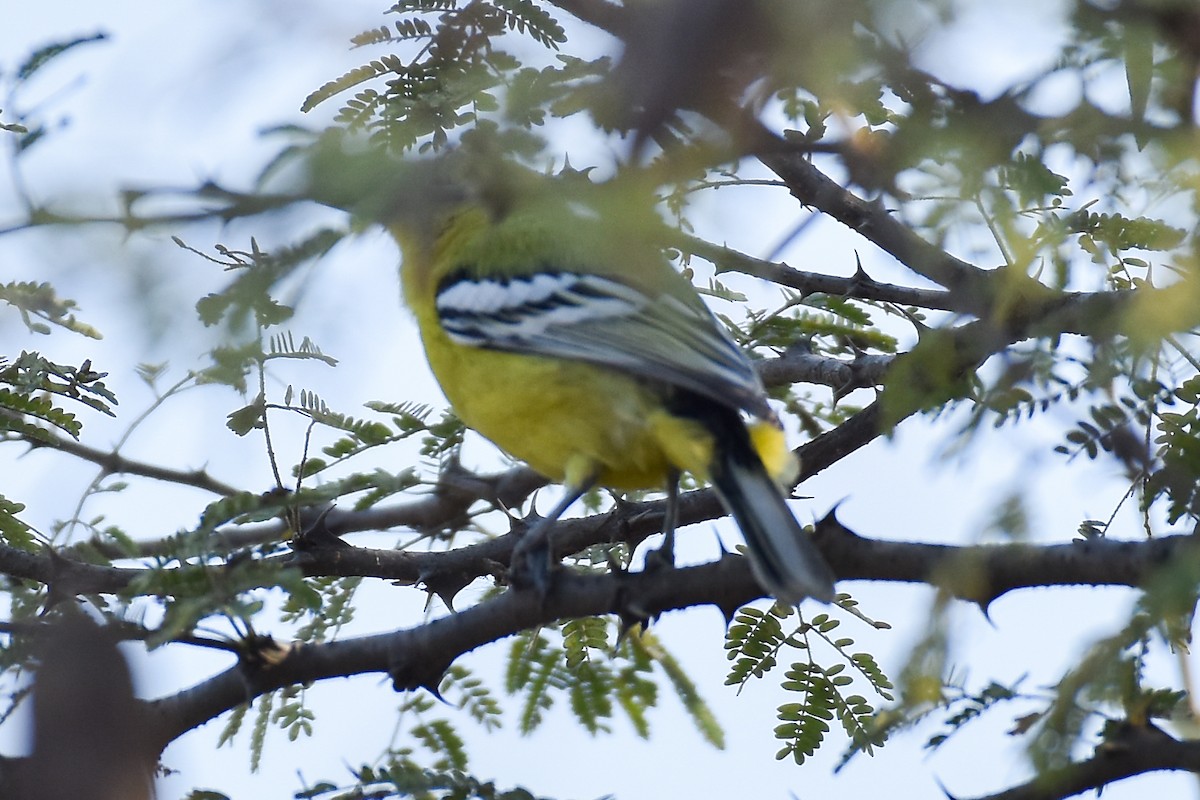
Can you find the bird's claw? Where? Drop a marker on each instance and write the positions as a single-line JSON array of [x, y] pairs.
[[660, 558], [530, 567]]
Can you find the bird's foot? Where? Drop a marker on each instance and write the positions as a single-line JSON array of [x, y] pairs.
[[530, 567], [661, 558], [664, 557]]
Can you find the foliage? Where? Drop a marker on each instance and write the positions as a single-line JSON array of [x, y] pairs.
[[754, 642], [457, 75]]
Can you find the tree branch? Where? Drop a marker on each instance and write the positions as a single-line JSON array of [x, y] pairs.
[[447, 504], [982, 573], [458, 489], [1011, 300], [608, 17], [418, 657], [978, 573], [859, 286], [117, 464], [447, 572], [813, 188], [798, 366], [1134, 750]]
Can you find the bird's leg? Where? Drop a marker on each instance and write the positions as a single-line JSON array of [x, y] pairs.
[[529, 567], [664, 556]]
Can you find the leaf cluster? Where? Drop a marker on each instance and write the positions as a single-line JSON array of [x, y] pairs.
[[40, 300], [450, 70], [597, 679], [29, 385], [754, 643]]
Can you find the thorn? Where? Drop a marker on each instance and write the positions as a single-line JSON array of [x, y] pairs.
[[631, 619], [614, 566], [628, 624], [622, 505], [720, 544], [801, 346], [860, 275], [450, 469], [570, 172], [55, 593], [409, 672], [433, 690], [829, 526], [945, 791], [984, 607], [448, 588], [318, 536], [531, 563], [521, 525], [445, 595], [830, 517], [729, 612]]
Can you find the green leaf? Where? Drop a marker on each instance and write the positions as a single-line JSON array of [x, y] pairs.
[[702, 716], [473, 696], [439, 737], [40, 300], [752, 643], [13, 531], [249, 417]]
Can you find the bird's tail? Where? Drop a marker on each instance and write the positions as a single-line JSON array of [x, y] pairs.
[[785, 561]]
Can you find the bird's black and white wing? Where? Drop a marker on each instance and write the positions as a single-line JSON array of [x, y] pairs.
[[602, 321]]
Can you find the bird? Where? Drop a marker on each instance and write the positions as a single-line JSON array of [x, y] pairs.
[[558, 329]]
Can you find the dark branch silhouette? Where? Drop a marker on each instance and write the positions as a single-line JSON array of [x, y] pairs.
[[1133, 750]]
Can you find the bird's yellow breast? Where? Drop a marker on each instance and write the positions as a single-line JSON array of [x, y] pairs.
[[569, 420]]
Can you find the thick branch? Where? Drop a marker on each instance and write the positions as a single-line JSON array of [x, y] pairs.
[[417, 657], [447, 571], [1134, 750], [982, 573], [979, 573]]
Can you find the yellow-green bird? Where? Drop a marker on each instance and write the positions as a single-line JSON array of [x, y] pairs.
[[561, 333]]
